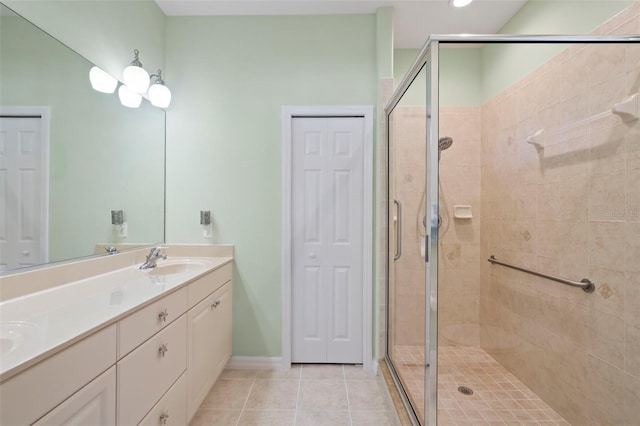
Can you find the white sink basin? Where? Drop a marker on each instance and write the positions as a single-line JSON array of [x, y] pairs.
[[178, 266]]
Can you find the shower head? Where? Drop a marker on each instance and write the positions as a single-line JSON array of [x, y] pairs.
[[444, 142]]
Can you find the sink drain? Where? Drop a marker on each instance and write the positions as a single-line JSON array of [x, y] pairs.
[[465, 390]]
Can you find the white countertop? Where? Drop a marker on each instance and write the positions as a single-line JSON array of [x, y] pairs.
[[37, 325]]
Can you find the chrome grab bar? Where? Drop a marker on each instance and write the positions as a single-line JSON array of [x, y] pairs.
[[398, 231], [585, 284]]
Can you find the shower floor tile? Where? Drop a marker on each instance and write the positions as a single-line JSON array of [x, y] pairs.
[[498, 398]]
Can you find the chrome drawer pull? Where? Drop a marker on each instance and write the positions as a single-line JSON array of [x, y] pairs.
[[162, 316], [163, 349], [163, 418]]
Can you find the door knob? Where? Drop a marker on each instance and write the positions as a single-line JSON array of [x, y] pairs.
[[312, 255]]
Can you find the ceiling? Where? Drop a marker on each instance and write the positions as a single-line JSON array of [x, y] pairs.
[[414, 20]]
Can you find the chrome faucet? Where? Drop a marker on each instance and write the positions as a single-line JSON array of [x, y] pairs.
[[153, 257], [111, 250]]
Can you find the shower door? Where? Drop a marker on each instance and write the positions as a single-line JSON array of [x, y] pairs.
[[409, 230]]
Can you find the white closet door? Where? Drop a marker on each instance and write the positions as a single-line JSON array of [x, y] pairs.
[[327, 239]]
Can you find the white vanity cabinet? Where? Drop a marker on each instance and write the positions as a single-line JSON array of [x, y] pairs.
[[153, 366], [209, 344]]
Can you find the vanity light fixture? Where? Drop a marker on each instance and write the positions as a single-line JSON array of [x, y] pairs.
[[460, 3], [135, 76], [101, 81], [128, 97], [159, 94]]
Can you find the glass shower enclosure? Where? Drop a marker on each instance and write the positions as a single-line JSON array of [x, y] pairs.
[[513, 288]]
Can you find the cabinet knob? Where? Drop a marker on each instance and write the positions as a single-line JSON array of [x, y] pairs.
[[215, 304], [163, 349], [163, 418], [162, 316]]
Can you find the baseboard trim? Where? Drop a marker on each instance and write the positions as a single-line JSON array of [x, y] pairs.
[[374, 366], [254, 362]]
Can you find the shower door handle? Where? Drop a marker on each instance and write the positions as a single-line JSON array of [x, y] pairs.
[[398, 230]]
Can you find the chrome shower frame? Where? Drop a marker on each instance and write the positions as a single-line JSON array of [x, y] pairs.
[[429, 57]]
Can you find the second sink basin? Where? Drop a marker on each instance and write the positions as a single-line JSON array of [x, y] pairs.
[[177, 266]]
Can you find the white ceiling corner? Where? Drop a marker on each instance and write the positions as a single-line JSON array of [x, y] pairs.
[[414, 20]]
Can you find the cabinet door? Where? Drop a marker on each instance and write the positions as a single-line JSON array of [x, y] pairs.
[[94, 404], [208, 344]]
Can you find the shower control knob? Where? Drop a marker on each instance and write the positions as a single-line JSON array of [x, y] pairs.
[[312, 255]]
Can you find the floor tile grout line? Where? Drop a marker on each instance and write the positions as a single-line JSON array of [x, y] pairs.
[[295, 413], [346, 389], [253, 382]]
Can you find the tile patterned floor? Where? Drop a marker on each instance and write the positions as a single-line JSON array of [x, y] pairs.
[[305, 395], [499, 398]]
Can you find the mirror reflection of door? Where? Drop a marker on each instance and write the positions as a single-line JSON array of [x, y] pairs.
[[23, 191]]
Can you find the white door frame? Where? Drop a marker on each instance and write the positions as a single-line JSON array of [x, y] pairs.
[[288, 113], [44, 112]]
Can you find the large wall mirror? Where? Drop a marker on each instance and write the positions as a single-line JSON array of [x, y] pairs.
[[69, 156]]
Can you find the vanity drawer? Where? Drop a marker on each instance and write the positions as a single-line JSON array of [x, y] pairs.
[[29, 395], [206, 285], [172, 408], [139, 326], [146, 373]]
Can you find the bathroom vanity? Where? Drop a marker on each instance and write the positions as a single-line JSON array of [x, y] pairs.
[[124, 347]]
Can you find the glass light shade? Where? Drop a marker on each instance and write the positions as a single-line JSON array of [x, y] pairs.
[[128, 98], [159, 95], [460, 3], [101, 81], [136, 78]]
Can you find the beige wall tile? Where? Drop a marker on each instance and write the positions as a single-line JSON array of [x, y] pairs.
[[632, 299], [632, 248], [631, 400], [606, 337], [609, 295], [632, 211], [605, 244], [607, 197], [632, 350], [605, 393], [605, 62], [607, 150]]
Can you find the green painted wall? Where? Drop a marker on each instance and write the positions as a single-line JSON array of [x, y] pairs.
[[460, 76], [230, 78], [103, 31], [505, 64], [103, 156], [384, 42]]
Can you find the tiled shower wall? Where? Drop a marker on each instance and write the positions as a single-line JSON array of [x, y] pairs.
[[459, 257], [407, 158], [571, 209], [459, 266]]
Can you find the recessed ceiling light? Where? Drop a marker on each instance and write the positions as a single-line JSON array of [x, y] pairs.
[[460, 3]]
